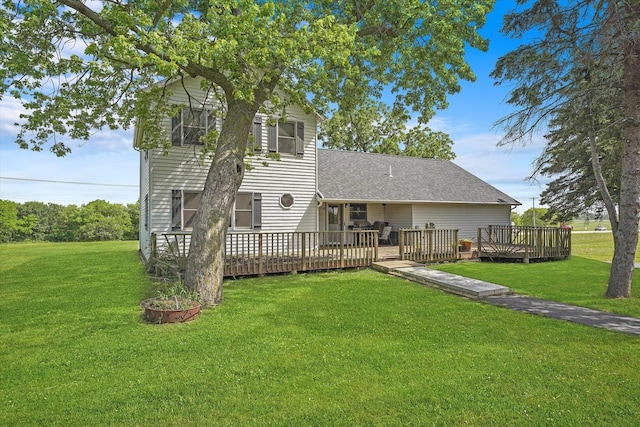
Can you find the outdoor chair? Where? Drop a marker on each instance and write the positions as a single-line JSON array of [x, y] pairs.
[[385, 236]]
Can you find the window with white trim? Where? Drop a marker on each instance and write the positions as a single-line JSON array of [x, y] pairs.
[[358, 211], [184, 206], [246, 212], [287, 138], [243, 212], [190, 125]]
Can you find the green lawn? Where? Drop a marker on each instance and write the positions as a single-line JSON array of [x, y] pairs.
[[349, 348], [595, 246], [579, 281]]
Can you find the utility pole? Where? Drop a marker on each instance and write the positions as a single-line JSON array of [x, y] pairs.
[[534, 211]]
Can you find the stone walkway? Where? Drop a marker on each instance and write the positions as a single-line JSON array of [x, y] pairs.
[[491, 293], [570, 313]]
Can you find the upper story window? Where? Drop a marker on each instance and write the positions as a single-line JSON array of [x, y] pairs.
[[287, 138], [190, 125]]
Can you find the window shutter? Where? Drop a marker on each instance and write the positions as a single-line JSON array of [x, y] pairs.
[[176, 130], [146, 212], [176, 210], [211, 121], [300, 139], [257, 210], [273, 138], [257, 133]]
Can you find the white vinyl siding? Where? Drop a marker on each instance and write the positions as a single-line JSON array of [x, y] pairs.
[[183, 170], [466, 218], [145, 198], [295, 175], [399, 216]]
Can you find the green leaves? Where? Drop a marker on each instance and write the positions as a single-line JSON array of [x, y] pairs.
[[83, 66], [378, 129]]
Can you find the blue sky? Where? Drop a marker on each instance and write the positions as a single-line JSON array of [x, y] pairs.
[[108, 158]]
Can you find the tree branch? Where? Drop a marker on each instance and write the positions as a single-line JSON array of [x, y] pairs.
[[192, 68]]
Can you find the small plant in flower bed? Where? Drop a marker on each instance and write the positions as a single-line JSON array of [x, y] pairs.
[[173, 297], [173, 304], [170, 303]]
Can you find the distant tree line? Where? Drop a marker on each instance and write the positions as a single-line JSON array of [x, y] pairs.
[[95, 221]]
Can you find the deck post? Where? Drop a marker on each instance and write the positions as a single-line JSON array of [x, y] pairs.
[[401, 244], [343, 239], [154, 244], [375, 247], [456, 247], [541, 242], [260, 260], [304, 251]]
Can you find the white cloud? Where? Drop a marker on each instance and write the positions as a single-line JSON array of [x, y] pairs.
[[10, 110], [108, 157]]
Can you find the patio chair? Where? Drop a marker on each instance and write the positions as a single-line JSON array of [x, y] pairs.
[[385, 236]]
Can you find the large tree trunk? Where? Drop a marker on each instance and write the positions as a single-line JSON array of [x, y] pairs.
[[205, 262], [626, 235]]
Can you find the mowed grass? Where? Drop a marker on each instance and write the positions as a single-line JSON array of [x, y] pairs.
[[578, 281], [595, 245], [347, 348], [582, 280]]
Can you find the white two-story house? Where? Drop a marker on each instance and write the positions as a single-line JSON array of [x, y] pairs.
[[308, 189], [277, 197]]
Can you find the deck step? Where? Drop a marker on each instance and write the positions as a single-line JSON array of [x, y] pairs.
[[448, 282]]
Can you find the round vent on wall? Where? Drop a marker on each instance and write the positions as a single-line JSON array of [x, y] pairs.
[[286, 200]]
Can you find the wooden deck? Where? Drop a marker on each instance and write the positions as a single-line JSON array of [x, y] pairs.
[[391, 253], [524, 244], [266, 253]]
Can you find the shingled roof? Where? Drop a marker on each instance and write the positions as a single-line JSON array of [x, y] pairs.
[[366, 177]]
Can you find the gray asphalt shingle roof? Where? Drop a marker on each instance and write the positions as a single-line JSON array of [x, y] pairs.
[[366, 177]]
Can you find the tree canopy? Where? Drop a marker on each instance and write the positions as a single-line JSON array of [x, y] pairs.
[[81, 66], [580, 76], [376, 128], [97, 220]]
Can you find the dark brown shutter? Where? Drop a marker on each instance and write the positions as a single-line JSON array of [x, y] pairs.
[[257, 133], [300, 139], [257, 210], [176, 130], [273, 138], [146, 212], [176, 210], [211, 121]]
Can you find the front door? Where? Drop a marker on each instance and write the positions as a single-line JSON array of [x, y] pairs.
[[334, 223]]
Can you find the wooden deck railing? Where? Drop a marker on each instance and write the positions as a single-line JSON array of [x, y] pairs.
[[526, 243], [428, 244], [263, 253]]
